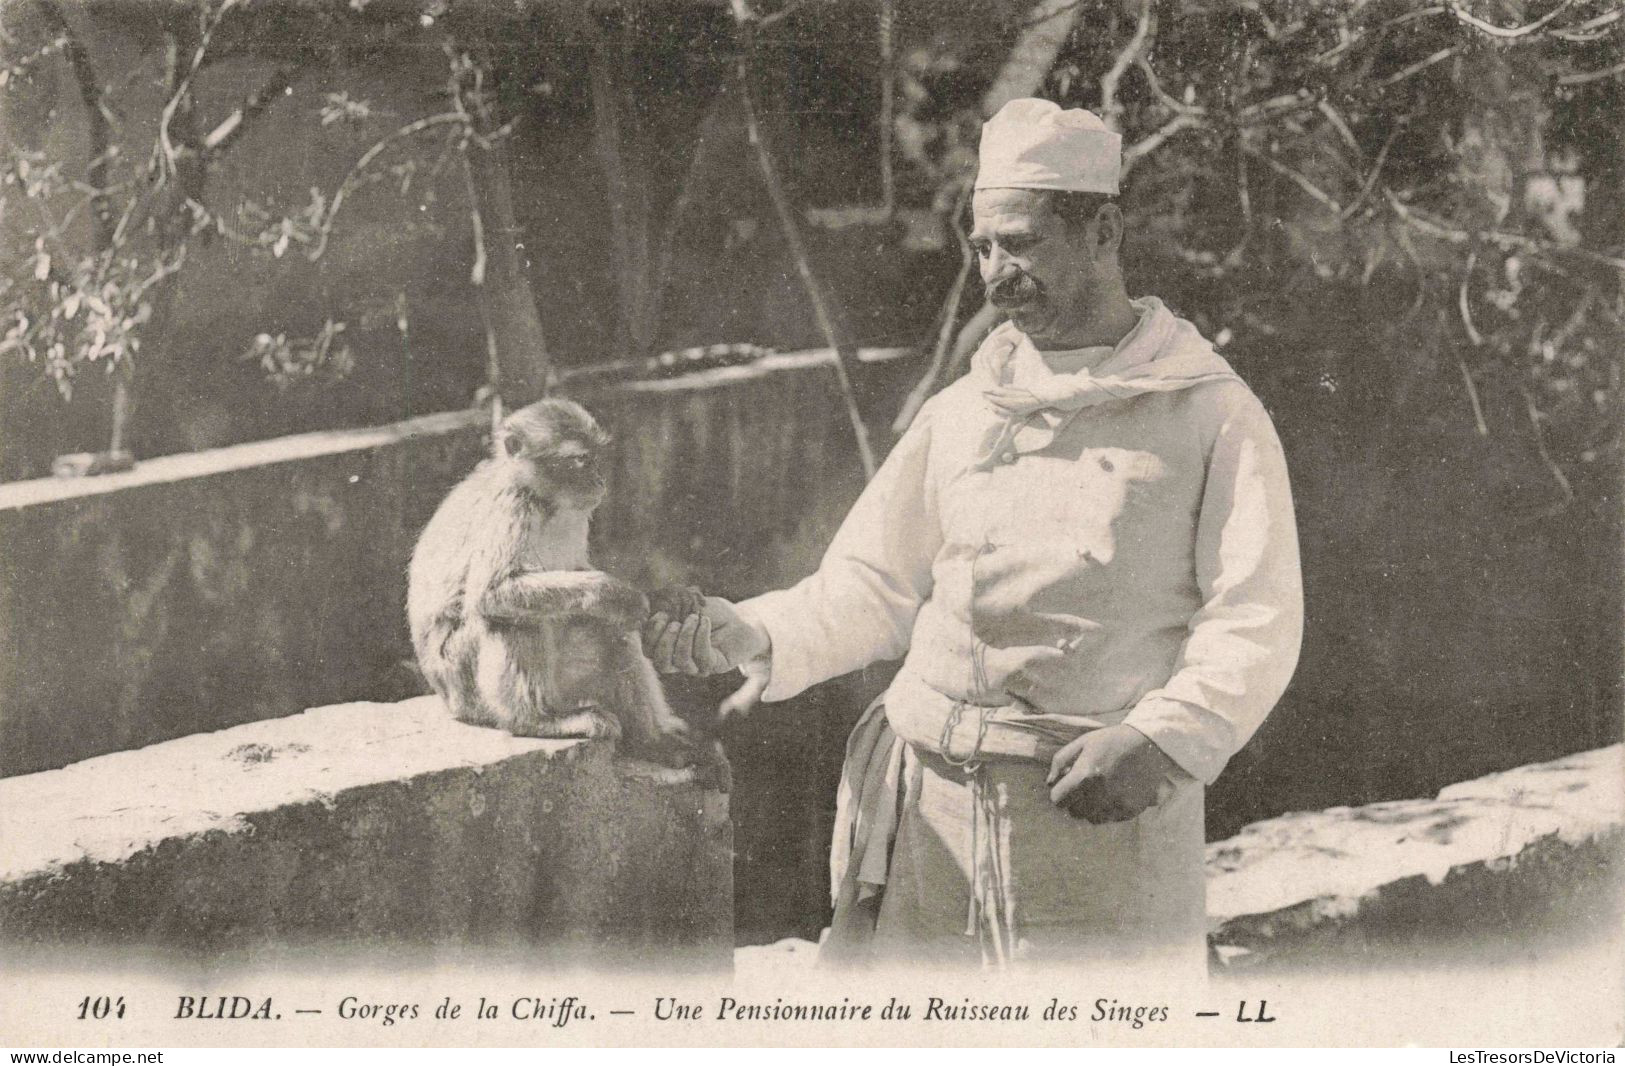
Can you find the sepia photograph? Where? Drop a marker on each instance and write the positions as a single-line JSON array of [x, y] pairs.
[[863, 523]]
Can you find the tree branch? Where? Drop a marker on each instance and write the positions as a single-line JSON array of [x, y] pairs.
[[844, 355], [1556, 471], [1589, 29], [1144, 147], [948, 316], [1420, 65], [1297, 179], [1371, 178], [1592, 75], [411, 129], [1506, 32], [1482, 427], [90, 93], [1177, 106], [1496, 237], [182, 87], [1110, 109], [226, 132]]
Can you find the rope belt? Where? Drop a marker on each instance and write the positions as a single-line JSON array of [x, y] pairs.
[[990, 916]]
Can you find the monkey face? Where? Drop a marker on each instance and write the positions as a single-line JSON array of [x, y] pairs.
[[575, 470], [559, 449]]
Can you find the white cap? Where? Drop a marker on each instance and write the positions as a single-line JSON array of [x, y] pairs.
[[1034, 144]]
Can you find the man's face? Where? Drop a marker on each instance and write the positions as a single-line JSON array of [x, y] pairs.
[[1037, 269]]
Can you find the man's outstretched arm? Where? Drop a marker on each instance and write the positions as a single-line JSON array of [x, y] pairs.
[[857, 608]]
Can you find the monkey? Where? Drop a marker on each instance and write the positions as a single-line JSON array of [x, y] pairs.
[[512, 625]]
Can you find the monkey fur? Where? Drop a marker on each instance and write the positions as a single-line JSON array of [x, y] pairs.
[[511, 624]]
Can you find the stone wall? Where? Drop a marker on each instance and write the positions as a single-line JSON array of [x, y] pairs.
[[375, 826], [1494, 870], [205, 590]]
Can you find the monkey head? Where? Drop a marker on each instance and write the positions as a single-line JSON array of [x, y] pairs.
[[557, 450]]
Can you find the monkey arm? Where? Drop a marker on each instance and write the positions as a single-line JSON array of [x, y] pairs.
[[531, 595], [676, 602]]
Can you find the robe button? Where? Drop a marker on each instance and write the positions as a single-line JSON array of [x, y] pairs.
[[1008, 457]]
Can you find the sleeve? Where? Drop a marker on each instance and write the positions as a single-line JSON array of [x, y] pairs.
[[859, 606], [1243, 643]]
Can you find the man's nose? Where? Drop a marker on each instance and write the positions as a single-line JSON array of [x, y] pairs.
[[995, 265]]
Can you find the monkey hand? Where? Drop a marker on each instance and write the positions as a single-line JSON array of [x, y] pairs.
[[716, 639], [620, 604], [677, 602]]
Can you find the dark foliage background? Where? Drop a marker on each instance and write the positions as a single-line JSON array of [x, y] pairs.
[[1401, 222]]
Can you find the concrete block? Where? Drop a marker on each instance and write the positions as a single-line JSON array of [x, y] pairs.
[[368, 825], [1491, 869]]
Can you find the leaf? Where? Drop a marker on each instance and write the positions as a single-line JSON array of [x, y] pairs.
[[70, 306], [42, 266], [280, 246]]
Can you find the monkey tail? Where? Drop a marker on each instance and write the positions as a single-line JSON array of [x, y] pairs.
[[648, 718]]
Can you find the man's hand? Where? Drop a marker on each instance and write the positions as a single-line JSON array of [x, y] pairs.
[[714, 639], [1107, 775]]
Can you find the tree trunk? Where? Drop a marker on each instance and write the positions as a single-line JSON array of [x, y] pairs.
[[507, 304], [615, 136]]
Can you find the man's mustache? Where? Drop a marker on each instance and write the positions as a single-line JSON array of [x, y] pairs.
[[1014, 289]]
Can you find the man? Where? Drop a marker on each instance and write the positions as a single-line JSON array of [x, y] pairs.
[[1086, 549]]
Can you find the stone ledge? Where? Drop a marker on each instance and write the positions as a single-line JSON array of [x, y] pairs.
[[369, 824], [1491, 867]]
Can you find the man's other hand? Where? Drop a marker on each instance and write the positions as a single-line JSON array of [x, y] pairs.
[[714, 639], [1108, 775]]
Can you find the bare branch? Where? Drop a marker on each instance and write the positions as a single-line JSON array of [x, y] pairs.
[[1342, 127], [711, 132], [223, 135], [1110, 109], [91, 95], [765, 21], [1592, 75], [792, 239], [1276, 107], [1410, 16], [1045, 12], [411, 129], [1144, 147], [1371, 178], [949, 315], [1420, 65], [1177, 106], [1556, 471], [1040, 40], [1464, 305], [159, 273], [1482, 427], [1591, 29], [1496, 237], [1297, 179], [166, 146], [1467, 18]]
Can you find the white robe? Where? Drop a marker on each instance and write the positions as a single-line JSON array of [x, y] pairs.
[[1125, 555]]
